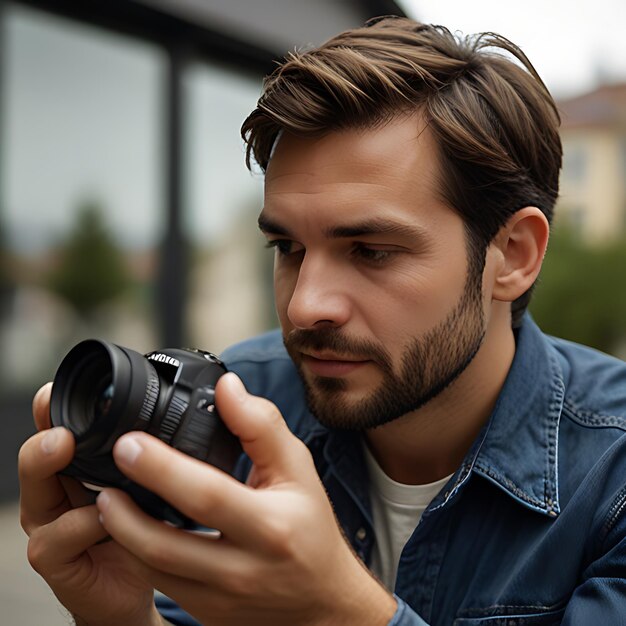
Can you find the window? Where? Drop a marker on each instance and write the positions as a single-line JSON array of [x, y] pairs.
[[230, 294], [575, 163], [81, 171]]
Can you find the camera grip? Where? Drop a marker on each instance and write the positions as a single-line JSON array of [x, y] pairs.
[[203, 435]]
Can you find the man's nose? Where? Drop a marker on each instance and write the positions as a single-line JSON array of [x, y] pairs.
[[320, 297]]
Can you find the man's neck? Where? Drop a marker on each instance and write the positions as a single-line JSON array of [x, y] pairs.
[[430, 443]]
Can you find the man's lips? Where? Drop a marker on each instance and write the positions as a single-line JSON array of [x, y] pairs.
[[330, 366]]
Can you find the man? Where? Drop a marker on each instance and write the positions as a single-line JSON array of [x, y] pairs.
[[474, 465]]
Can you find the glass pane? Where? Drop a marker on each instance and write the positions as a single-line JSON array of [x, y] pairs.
[[230, 295], [81, 197]]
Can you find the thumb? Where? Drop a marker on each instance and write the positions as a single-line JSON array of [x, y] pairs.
[[264, 435]]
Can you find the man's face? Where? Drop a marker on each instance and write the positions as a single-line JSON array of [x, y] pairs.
[[377, 307]]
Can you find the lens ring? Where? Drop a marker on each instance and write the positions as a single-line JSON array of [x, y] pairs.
[[151, 394], [171, 421]]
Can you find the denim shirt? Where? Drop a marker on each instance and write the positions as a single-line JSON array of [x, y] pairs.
[[530, 530]]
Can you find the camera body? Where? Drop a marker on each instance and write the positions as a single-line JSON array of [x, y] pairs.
[[102, 390]]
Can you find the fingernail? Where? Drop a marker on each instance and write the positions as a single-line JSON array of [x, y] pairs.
[[127, 449], [50, 441], [40, 393], [236, 386], [103, 500]]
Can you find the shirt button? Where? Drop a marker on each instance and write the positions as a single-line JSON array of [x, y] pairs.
[[361, 534]]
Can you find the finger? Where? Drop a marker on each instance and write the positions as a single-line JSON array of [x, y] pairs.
[[276, 452], [201, 491], [64, 540], [77, 494], [41, 407], [166, 549], [42, 497]]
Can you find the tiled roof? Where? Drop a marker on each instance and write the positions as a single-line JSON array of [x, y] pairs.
[[602, 107]]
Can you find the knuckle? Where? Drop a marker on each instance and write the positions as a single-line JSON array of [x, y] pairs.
[[35, 552], [249, 584], [240, 582], [270, 415], [205, 502], [280, 536], [157, 554], [26, 523], [207, 498]]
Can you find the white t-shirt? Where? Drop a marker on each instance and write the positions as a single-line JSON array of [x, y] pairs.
[[396, 509]]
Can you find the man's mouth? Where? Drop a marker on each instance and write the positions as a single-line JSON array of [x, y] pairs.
[[331, 365]]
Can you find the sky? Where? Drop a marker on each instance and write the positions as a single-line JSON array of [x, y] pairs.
[[574, 45]]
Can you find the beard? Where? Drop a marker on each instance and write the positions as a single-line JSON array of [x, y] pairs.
[[429, 364]]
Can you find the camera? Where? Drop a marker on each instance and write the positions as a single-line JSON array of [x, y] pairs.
[[102, 390]]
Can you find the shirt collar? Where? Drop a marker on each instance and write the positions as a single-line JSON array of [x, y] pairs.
[[517, 448]]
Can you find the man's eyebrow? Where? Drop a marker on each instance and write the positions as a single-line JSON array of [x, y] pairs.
[[374, 226], [377, 226], [268, 225]]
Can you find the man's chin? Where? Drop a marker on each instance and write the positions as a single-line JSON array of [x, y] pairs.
[[338, 404]]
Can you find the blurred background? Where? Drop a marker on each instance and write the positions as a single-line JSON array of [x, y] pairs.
[[127, 213]]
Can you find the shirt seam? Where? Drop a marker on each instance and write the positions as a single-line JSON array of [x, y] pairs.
[[489, 610], [618, 507], [593, 419]]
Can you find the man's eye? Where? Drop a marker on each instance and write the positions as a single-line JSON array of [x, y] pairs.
[[285, 247], [374, 255]]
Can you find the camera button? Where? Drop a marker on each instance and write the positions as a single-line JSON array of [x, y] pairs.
[[205, 405]]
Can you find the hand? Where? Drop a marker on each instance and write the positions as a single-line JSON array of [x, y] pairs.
[[281, 558], [99, 583]]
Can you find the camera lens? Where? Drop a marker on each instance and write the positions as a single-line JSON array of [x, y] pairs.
[[101, 390], [104, 399], [90, 396]]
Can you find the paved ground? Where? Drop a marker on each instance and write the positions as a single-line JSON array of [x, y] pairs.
[[25, 600]]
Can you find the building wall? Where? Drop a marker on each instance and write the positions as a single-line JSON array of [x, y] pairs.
[[593, 187]]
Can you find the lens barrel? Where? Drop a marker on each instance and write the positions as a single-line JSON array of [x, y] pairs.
[[101, 391]]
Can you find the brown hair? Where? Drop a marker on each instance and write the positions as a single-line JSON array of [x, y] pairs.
[[491, 115]]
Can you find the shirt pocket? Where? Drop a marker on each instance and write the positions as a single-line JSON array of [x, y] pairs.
[[547, 618]]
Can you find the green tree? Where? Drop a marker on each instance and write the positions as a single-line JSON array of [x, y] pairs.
[[581, 294], [91, 270]]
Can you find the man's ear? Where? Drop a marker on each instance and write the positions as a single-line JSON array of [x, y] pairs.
[[522, 243]]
